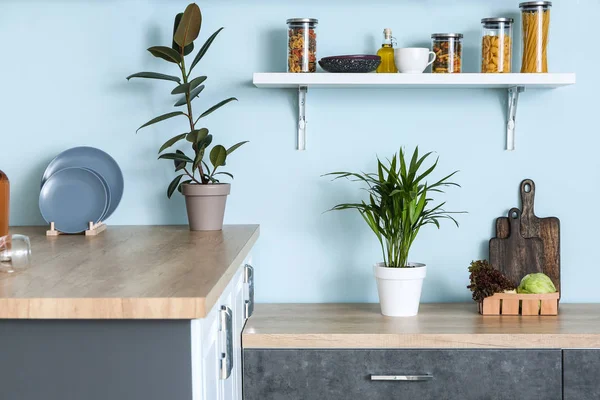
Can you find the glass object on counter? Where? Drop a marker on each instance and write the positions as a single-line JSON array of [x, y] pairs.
[[4, 203], [302, 45], [536, 28], [15, 253], [386, 52], [496, 45], [448, 51]]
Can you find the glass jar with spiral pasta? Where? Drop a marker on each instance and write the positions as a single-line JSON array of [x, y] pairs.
[[496, 45], [448, 53], [302, 45], [536, 30]]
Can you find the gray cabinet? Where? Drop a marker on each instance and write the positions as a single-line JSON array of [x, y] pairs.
[[581, 374], [291, 374]]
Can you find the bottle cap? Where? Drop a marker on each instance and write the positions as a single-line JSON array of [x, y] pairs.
[[387, 33]]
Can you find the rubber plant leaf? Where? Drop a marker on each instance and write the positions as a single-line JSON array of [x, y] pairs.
[[187, 49], [191, 85], [161, 118], [183, 183], [155, 75], [204, 49], [166, 53], [172, 141], [179, 165], [175, 156], [197, 135], [218, 155], [189, 26], [235, 147], [173, 185], [193, 94], [216, 107]]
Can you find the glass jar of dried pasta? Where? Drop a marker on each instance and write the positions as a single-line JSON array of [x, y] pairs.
[[302, 45], [536, 28], [496, 45], [448, 53]]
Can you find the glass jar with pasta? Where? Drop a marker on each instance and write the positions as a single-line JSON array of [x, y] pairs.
[[302, 45], [448, 53], [536, 28], [496, 45]]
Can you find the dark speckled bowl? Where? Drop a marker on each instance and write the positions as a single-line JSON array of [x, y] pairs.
[[359, 63]]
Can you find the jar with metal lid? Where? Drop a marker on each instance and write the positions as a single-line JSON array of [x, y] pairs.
[[302, 45], [536, 29], [448, 51], [496, 45]]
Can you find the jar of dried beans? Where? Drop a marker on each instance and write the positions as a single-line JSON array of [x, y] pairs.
[[496, 45], [448, 51], [302, 45]]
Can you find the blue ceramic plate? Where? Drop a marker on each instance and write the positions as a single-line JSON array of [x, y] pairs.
[[97, 161], [73, 197]]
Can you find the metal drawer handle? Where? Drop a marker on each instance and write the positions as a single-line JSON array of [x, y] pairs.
[[226, 360], [249, 298], [401, 377]]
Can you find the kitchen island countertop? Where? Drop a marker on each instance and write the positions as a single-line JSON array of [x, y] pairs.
[[126, 272]]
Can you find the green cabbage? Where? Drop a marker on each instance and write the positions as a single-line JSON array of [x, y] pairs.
[[536, 284]]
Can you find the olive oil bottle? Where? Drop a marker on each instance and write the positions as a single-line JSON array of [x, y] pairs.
[[386, 52]]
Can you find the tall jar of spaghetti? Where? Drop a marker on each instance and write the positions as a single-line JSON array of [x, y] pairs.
[[302, 45], [536, 28]]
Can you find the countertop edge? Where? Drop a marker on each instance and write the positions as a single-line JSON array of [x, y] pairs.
[[420, 341], [211, 298]]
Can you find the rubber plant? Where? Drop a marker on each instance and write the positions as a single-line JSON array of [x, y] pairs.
[[399, 204], [194, 169]]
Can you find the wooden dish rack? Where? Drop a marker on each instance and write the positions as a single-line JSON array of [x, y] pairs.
[[93, 229], [520, 304]]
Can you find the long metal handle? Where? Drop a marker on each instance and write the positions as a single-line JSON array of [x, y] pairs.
[[401, 377], [225, 327], [249, 298]]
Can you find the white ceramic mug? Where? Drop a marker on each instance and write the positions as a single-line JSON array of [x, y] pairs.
[[413, 60]]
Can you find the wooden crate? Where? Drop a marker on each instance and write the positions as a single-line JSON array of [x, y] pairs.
[[520, 304]]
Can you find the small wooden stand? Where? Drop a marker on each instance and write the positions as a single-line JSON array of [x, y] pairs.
[[93, 229], [520, 304]]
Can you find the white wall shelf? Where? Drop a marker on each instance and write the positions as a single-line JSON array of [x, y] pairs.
[[513, 83]]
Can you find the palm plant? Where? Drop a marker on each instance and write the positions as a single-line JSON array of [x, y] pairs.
[[186, 30], [399, 205]]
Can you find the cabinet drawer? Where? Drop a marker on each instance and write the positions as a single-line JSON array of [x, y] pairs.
[[271, 374], [581, 372]]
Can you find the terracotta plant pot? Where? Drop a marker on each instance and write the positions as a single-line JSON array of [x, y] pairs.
[[206, 205]]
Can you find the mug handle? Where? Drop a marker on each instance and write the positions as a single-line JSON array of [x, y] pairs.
[[432, 60]]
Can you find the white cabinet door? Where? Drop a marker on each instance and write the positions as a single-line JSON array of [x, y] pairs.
[[209, 345], [205, 357]]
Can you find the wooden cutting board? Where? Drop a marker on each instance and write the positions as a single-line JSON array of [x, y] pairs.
[[547, 229], [516, 256]]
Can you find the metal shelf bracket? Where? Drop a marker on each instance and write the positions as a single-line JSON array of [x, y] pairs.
[[301, 143], [513, 101]]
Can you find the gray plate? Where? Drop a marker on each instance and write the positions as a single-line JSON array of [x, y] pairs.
[[96, 160], [73, 197]]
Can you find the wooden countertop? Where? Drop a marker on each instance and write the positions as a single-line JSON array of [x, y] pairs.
[[126, 272], [437, 326]]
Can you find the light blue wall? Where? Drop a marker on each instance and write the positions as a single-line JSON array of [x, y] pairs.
[[63, 73]]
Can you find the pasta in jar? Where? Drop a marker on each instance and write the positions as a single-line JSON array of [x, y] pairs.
[[536, 29], [302, 45], [496, 45], [448, 53]]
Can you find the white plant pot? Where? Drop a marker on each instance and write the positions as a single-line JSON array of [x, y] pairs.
[[400, 289]]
